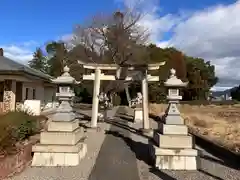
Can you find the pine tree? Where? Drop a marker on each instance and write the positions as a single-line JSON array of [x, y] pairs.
[[39, 61]]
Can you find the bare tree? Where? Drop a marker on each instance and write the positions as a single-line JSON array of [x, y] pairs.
[[116, 38]]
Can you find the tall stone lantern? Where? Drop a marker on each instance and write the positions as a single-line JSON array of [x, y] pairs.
[[62, 144], [173, 147]]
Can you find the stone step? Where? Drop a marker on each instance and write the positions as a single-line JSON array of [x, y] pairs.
[[173, 141], [172, 129], [174, 152], [53, 148], [63, 126], [61, 138]]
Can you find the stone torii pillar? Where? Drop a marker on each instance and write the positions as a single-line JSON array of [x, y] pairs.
[[95, 101], [146, 125], [98, 76]]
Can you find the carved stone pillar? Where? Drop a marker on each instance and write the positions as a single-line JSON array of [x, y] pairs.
[[9, 95]]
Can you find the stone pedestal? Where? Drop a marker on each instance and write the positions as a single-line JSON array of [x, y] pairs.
[[138, 115], [173, 146], [61, 145]]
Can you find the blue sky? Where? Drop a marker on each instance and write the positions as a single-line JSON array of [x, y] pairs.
[[41, 21], [26, 24]]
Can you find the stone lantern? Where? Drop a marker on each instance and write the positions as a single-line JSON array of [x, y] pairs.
[[173, 84], [62, 144], [65, 96], [173, 147]]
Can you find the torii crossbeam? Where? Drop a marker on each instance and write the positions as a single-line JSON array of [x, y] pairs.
[[98, 76]]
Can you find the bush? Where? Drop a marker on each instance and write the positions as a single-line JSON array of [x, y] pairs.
[[16, 126]]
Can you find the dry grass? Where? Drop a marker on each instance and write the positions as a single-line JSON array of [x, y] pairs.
[[218, 123]]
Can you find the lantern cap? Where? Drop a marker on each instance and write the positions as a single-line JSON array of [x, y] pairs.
[[65, 78], [173, 81]]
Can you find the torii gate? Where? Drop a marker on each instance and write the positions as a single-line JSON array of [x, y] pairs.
[[98, 76]]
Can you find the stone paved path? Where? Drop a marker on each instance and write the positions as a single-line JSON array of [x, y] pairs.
[[115, 161]]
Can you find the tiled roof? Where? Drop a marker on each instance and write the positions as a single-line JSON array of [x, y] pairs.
[[8, 65]]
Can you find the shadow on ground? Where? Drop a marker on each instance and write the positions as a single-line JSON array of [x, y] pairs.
[[126, 127], [140, 149], [210, 175], [220, 160]]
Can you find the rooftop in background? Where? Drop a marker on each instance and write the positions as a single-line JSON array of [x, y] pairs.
[[9, 66]]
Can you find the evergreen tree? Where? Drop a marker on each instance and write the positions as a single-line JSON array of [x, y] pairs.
[[57, 53], [39, 61]]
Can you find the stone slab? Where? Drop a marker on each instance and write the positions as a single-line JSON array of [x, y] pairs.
[[172, 129], [138, 115], [174, 152], [173, 141], [50, 148], [176, 162], [61, 138], [177, 120], [63, 126], [59, 159]]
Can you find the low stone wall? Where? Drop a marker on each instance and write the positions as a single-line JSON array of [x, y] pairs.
[[16, 163]]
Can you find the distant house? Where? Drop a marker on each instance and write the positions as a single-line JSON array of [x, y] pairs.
[[221, 95], [19, 83]]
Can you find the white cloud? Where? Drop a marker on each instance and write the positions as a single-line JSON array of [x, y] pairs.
[[219, 88], [150, 20], [20, 52], [212, 33], [17, 53]]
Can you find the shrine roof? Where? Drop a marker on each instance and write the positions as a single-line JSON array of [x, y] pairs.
[[10, 66]]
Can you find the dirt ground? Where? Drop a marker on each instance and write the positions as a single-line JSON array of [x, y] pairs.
[[218, 123]]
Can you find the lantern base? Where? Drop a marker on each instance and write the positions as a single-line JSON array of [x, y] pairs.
[[61, 145], [58, 155], [174, 159]]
